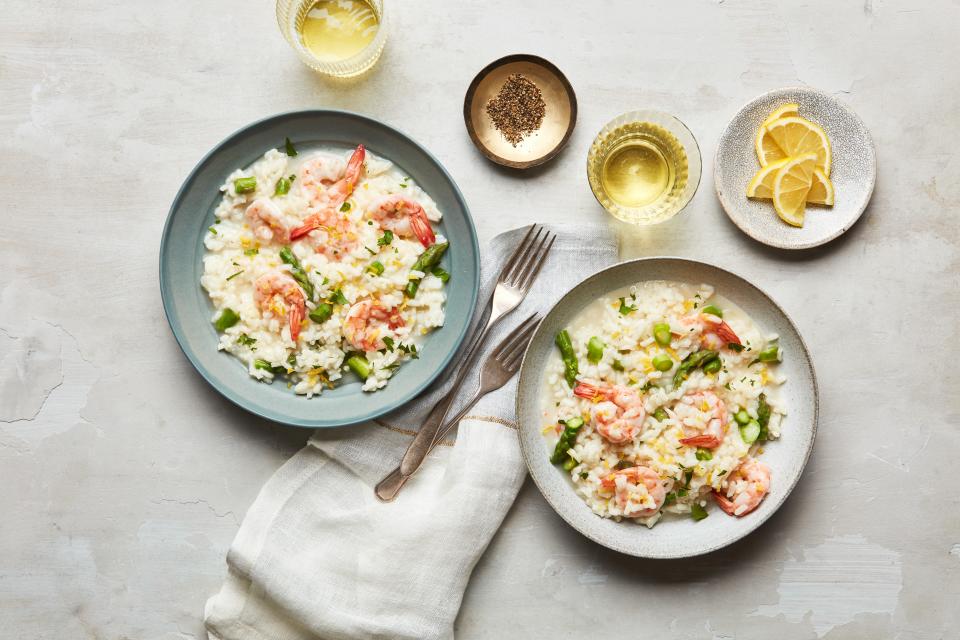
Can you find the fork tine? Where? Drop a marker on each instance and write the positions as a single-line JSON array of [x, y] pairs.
[[516, 338], [509, 341], [516, 254], [539, 259], [512, 360], [520, 267]]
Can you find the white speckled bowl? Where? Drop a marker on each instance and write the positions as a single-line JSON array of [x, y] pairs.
[[853, 172], [673, 537]]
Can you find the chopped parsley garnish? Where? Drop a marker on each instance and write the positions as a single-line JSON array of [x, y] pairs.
[[388, 341], [733, 346], [704, 454], [251, 252], [617, 365], [212, 230], [409, 349], [345, 207], [231, 277], [626, 309], [697, 512], [385, 239], [288, 147], [247, 341]]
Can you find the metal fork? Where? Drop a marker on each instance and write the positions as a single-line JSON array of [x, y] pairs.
[[513, 283], [498, 368]]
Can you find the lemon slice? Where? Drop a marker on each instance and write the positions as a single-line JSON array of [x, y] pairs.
[[821, 189], [785, 111], [790, 187], [796, 136], [761, 186], [768, 151]]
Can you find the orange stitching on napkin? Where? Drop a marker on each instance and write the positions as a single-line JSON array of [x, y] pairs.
[[408, 432], [445, 442], [495, 419]]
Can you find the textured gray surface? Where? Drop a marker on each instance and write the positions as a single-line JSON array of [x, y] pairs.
[[125, 476]]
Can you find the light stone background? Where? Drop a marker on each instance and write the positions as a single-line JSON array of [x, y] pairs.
[[124, 477]]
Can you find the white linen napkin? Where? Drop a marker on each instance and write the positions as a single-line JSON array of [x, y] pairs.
[[318, 556]]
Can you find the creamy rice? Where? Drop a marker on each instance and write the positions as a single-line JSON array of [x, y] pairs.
[[237, 256], [624, 322]]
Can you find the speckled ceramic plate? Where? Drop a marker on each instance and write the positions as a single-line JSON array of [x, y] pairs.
[[189, 309], [853, 172], [673, 536]]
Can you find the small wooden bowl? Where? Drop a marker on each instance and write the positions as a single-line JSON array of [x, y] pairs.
[[558, 122]]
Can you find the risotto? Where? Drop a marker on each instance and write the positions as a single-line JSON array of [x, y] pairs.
[[324, 262], [660, 399]]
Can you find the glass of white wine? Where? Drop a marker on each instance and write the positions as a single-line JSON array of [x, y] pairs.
[[644, 167], [340, 38]]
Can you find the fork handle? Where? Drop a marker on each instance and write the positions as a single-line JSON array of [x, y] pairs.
[[427, 435], [388, 488]]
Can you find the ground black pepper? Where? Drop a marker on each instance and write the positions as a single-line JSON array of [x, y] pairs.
[[518, 108]]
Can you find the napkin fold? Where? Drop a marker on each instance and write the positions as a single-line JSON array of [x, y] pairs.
[[318, 556]]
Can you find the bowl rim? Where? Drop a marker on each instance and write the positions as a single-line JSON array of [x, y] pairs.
[[471, 94], [772, 242], [589, 532], [172, 318]]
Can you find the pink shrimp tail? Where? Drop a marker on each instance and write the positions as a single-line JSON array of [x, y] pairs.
[[310, 223], [724, 503], [725, 333], [588, 391], [421, 227], [355, 164], [703, 440], [296, 313], [351, 177]]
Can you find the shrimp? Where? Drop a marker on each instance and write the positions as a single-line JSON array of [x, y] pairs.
[[333, 233], [328, 197], [717, 333], [363, 325], [634, 501], [266, 221], [746, 488], [275, 284], [620, 415], [405, 218], [328, 186], [705, 411]]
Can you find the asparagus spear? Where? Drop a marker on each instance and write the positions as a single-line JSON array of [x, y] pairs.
[[571, 367], [296, 270], [427, 260], [567, 438]]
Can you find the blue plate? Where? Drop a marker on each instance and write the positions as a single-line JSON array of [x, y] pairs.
[[189, 309]]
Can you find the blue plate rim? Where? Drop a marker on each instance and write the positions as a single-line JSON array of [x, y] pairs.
[[173, 323]]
